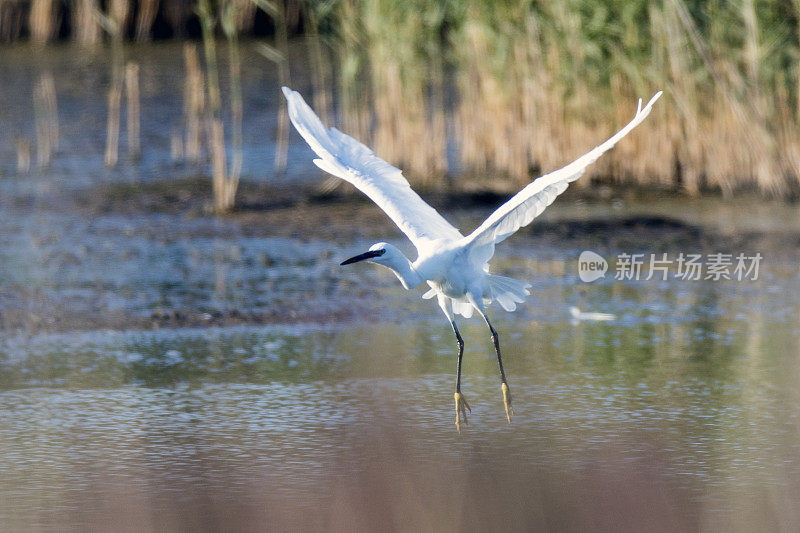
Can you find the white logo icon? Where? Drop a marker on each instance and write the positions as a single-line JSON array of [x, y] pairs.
[[591, 266]]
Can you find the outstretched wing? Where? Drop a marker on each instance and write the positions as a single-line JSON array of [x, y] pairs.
[[346, 158], [529, 203]]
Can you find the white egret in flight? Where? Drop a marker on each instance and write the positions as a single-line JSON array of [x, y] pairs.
[[455, 267]]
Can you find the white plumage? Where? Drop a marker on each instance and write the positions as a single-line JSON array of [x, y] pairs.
[[455, 267]]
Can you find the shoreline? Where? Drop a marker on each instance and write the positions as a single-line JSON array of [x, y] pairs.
[[322, 226]]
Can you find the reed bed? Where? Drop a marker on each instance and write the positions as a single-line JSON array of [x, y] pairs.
[[494, 93], [534, 84]]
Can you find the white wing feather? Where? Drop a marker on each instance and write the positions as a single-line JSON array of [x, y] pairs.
[[348, 159], [529, 203]]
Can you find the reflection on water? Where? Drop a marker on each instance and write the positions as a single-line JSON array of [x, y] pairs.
[[681, 414], [689, 415]]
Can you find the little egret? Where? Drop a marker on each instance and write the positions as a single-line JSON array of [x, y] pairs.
[[455, 267]]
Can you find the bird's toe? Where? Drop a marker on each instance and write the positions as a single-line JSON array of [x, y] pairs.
[[507, 402], [461, 410]]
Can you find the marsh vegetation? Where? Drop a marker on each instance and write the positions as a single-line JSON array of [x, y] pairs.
[[179, 347], [479, 94]]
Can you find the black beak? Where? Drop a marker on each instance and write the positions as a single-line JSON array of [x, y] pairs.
[[363, 257]]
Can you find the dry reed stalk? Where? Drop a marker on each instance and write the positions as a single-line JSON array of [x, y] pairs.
[[224, 185], [118, 12], [86, 28], [244, 16], [215, 132], [282, 44], [50, 101], [41, 21], [23, 156], [46, 117], [145, 16], [43, 148], [133, 110], [229, 28], [175, 145], [194, 102], [751, 42], [113, 24], [113, 123], [223, 193]]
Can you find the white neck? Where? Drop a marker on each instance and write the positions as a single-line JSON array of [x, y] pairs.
[[403, 269]]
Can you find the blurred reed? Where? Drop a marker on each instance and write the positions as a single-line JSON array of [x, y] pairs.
[[225, 179], [145, 17], [85, 24], [497, 92], [278, 53], [42, 22], [113, 23], [229, 20], [45, 107], [535, 84], [194, 94], [23, 155], [133, 110], [319, 63], [176, 145]]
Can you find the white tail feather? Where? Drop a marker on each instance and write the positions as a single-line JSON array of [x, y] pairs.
[[508, 292]]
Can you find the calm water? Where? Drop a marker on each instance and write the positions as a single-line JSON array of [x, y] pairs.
[[692, 392], [681, 414]]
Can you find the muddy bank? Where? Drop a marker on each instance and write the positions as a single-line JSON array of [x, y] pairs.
[[306, 212], [150, 255]]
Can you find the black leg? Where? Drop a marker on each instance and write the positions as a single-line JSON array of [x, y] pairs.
[[496, 341], [461, 403], [460, 355], [504, 383]]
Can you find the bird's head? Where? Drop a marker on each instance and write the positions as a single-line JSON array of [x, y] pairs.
[[381, 253], [387, 255]]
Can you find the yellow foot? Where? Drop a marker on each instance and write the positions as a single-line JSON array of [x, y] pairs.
[[507, 402], [461, 410]]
